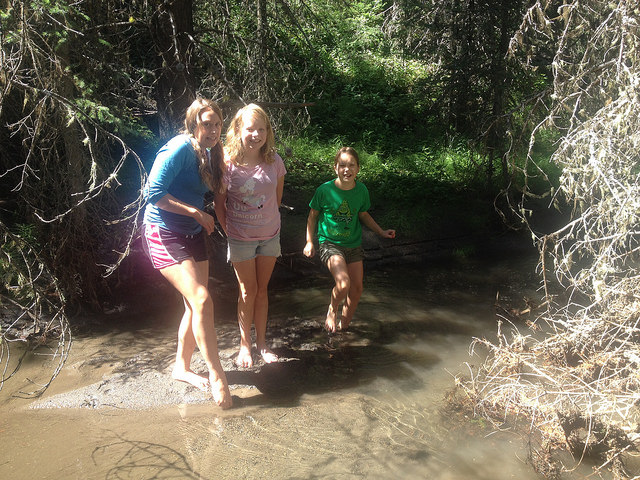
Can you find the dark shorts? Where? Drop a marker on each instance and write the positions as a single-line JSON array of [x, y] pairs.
[[166, 248], [350, 255]]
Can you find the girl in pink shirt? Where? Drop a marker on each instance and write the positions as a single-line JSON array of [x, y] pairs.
[[248, 210]]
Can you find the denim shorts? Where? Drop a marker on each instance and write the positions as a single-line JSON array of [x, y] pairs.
[[243, 250], [350, 255]]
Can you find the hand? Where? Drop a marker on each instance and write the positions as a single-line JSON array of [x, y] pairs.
[[388, 234], [207, 221], [309, 250]]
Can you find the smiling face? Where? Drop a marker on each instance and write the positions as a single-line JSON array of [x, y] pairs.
[[253, 134], [346, 168], [207, 132]]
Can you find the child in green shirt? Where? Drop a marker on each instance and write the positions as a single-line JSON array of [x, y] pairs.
[[338, 208]]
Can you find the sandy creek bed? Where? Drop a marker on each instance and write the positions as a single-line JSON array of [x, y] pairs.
[[364, 404]]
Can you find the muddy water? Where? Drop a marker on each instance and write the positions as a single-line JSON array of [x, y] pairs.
[[365, 404]]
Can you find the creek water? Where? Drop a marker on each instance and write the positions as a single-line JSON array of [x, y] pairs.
[[370, 403]]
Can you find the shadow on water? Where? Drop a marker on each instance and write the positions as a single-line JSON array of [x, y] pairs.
[[138, 459], [314, 372], [314, 362]]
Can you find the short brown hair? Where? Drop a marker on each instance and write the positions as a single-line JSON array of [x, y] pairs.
[[348, 151]]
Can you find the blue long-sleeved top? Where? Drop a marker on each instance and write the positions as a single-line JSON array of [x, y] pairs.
[[175, 171]]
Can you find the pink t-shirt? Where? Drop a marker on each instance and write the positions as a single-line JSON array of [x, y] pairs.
[[252, 205]]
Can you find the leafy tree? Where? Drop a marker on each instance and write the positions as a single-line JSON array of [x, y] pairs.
[[64, 142], [172, 33], [480, 89]]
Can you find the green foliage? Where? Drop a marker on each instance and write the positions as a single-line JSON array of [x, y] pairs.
[[410, 190], [376, 102], [370, 94], [310, 162], [27, 232]]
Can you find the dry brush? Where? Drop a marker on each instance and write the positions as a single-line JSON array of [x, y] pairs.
[[574, 378]]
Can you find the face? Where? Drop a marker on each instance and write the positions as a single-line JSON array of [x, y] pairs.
[[207, 132], [347, 168], [254, 133]]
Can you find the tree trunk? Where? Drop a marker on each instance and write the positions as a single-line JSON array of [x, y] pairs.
[[172, 30], [497, 133], [462, 47], [261, 53]]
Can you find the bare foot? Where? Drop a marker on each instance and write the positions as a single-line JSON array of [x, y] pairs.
[[244, 357], [330, 322], [268, 356], [199, 381], [343, 324], [221, 394]]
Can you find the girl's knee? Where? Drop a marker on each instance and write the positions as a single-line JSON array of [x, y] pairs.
[[200, 300], [343, 285], [356, 290], [248, 291], [261, 294]]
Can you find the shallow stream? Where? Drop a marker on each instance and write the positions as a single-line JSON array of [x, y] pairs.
[[370, 403]]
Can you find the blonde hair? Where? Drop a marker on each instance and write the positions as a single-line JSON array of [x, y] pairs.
[[210, 169], [233, 143]]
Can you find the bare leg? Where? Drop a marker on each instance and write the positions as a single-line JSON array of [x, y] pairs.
[[338, 268], [186, 346], [191, 278], [356, 275], [248, 285], [264, 269]]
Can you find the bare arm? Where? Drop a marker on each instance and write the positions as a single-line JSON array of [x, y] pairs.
[[279, 190], [368, 221], [220, 207], [174, 205], [312, 220]]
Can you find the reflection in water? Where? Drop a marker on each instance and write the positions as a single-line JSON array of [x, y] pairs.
[[364, 404]]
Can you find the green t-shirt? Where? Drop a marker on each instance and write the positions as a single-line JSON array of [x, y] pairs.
[[338, 220]]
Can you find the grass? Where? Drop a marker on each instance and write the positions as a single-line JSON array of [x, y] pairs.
[[422, 190]]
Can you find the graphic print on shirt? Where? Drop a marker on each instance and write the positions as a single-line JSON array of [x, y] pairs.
[[248, 196], [343, 214]]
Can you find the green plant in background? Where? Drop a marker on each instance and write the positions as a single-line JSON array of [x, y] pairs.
[[413, 190]]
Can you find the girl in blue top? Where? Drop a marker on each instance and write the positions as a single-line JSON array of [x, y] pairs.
[[338, 207], [175, 226]]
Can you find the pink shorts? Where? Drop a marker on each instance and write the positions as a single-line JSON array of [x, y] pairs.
[[166, 248]]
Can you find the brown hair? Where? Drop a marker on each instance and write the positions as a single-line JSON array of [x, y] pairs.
[[233, 143], [347, 151], [210, 169]]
